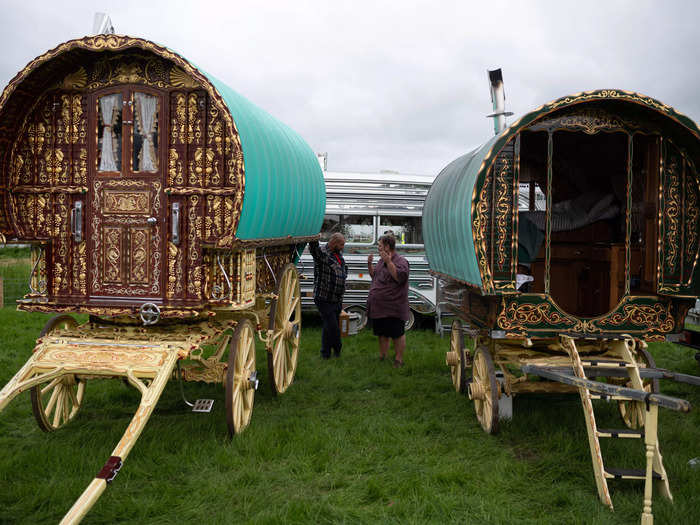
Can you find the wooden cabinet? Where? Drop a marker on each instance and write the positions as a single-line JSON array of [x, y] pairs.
[[586, 280]]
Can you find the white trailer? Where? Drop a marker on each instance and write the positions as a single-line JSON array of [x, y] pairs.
[[364, 206]]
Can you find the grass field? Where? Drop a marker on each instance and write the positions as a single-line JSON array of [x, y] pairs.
[[352, 441]]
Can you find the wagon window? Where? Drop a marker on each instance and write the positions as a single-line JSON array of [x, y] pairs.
[[407, 230], [355, 228], [145, 149], [109, 132]]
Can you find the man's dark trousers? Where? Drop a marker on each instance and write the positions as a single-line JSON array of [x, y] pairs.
[[330, 337]]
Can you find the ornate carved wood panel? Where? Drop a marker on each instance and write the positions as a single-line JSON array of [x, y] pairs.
[[54, 163], [126, 250], [48, 175], [678, 221], [505, 206]]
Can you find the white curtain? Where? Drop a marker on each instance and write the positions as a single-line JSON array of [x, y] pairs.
[[147, 107], [107, 105]]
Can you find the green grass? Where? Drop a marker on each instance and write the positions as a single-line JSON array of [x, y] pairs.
[[15, 269], [352, 441]]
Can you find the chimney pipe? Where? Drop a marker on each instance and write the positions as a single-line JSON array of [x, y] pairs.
[[498, 99], [322, 160]]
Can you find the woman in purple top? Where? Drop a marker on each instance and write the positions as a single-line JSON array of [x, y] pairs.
[[387, 304]]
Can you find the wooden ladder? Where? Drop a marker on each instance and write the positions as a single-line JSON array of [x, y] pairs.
[[648, 412]]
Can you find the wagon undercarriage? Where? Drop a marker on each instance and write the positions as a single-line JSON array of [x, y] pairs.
[[614, 369], [219, 350]]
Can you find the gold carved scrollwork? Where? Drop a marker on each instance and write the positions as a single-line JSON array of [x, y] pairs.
[[657, 317], [504, 204], [127, 202], [113, 254], [178, 130], [215, 131], [692, 214], [174, 169], [180, 79], [202, 167], [54, 165], [174, 271], [194, 123], [609, 94], [76, 80], [671, 215], [194, 281], [518, 317], [479, 227], [590, 121]]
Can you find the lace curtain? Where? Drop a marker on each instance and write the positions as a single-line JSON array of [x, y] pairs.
[[146, 108], [108, 105]]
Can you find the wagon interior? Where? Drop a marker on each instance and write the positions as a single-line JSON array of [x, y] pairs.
[[588, 216]]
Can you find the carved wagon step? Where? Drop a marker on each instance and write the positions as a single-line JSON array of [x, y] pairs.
[[624, 473], [620, 433]]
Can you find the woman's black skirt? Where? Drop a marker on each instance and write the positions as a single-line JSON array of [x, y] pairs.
[[392, 327]]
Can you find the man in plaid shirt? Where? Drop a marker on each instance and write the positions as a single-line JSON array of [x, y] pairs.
[[330, 272]]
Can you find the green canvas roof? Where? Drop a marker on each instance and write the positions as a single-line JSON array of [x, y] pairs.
[[284, 189]]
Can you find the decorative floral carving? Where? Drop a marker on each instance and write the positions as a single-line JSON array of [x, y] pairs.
[[518, 317], [479, 228], [504, 204], [656, 317], [126, 202]]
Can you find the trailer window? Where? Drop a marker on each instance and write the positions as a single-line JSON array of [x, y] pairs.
[[407, 230], [355, 228]]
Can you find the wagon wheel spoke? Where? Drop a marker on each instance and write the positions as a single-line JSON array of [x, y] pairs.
[[241, 366], [57, 401], [285, 325], [292, 308], [484, 390], [59, 407], [51, 385], [52, 400]]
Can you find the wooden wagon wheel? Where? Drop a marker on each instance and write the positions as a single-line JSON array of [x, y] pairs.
[[455, 358], [57, 401], [632, 412], [484, 390], [285, 323], [241, 378]]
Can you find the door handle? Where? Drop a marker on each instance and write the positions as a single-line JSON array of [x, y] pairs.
[[175, 223], [151, 221], [76, 221]]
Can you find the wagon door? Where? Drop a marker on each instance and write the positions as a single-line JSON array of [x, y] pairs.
[[125, 205]]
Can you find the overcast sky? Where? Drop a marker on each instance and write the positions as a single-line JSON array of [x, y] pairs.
[[397, 85]]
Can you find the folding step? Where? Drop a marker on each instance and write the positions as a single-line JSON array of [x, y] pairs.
[[629, 473], [606, 397], [603, 363], [620, 433]]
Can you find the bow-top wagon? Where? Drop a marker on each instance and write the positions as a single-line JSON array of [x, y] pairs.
[[566, 243], [168, 208]]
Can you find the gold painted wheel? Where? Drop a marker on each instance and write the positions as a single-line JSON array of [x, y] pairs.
[[57, 401], [455, 358], [484, 390], [241, 378], [285, 323], [632, 412]]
